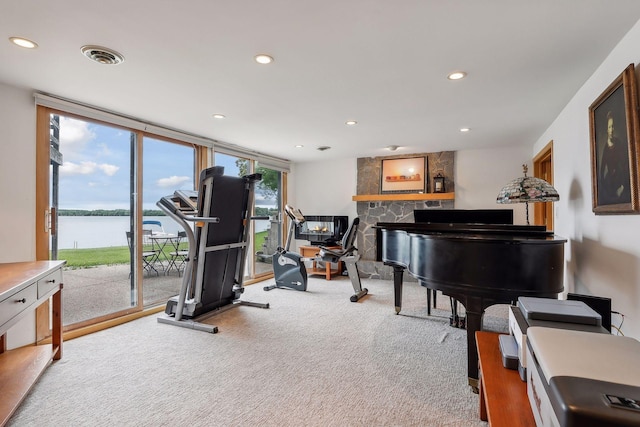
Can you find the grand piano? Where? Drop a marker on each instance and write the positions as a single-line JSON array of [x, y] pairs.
[[475, 258]]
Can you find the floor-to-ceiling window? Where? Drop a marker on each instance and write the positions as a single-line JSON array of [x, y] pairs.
[[167, 167], [122, 252], [91, 177], [268, 226], [266, 213], [99, 177]]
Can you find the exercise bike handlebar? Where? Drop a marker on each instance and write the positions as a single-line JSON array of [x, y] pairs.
[[295, 214]]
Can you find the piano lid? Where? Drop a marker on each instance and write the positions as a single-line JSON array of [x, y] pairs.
[[466, 216], [485, 230]]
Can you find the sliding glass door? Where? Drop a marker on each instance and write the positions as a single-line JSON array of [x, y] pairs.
[[267, 233], [122, 252], [167, 167], [266, 224], [90, 180], [97, 185]]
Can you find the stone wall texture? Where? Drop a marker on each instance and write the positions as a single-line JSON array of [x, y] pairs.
[[372, 212]]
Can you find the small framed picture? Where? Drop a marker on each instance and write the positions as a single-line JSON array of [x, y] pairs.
[[405, 175], [613, 120]]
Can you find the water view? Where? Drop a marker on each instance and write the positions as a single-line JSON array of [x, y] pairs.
[[82, 232]]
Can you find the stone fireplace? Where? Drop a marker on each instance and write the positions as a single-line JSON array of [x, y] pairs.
[[374, 207]]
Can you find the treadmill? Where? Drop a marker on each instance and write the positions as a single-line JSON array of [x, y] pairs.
[[216, 221]]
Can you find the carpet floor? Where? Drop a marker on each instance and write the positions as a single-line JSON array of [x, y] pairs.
[[312, 359]]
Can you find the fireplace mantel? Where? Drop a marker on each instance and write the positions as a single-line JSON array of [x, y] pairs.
[[374, 206], [402, 197]]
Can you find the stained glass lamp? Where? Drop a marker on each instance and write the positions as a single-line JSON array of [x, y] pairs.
[[527, 189]]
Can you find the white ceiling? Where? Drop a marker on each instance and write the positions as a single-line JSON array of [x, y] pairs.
[[382, 63]]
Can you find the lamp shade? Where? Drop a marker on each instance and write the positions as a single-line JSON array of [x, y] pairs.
[[527, 189]]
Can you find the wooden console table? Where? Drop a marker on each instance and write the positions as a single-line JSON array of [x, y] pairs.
[[503, 395], [23, 287], [327, 271]]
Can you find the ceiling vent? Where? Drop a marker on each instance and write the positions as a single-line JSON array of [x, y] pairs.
[[102, 55], [323, 148]]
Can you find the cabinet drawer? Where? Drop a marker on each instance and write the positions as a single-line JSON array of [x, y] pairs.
[[17, 302], [49, 282]]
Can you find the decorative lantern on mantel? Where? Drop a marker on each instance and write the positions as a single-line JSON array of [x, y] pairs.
[[438, 183]]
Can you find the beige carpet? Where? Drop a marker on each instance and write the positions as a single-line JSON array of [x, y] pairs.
[[312, 359]]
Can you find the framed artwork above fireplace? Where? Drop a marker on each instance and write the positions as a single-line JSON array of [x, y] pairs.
[[404, 175]]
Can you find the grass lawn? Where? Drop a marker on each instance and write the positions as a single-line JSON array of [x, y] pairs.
[[91, 257], [79, 258]]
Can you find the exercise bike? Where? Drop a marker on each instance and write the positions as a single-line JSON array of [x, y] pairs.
[[288, 267]]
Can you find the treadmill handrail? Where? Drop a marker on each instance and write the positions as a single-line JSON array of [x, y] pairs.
[[166, 203], [213, 219]]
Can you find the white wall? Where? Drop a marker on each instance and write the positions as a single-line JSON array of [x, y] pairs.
[[326, 187], [17, 174], [17, 190], [323, 188], [602, 256], [481, 174]]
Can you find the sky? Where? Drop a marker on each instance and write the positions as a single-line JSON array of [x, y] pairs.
[[96, 167]]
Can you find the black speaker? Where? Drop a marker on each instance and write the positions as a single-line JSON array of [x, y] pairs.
[[600, 305]]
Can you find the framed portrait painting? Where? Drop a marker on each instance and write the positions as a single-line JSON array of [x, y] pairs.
[[613, 125], [403, 175]]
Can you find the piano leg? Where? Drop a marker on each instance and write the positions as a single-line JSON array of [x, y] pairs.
[[475, 312], [397, 287]]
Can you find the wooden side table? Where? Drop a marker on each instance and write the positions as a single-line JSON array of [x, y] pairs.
[[24, 286], [503, 395], [327, 271]]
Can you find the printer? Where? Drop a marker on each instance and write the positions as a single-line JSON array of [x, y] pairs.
[[577, 378], [545, 312]]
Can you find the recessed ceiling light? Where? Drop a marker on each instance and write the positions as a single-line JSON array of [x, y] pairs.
[[26, 43], [219, 116], [465, 129], [263, 59], [457, 75], [350, 123], [299, 146], [324, 148], [102, 55], [392, 147]]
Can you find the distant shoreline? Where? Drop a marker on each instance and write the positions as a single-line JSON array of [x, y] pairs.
[[259, 211], [107, 212], [97, 231]]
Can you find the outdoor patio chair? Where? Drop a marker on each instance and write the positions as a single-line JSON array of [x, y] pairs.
[[178, 256], [149, 257]]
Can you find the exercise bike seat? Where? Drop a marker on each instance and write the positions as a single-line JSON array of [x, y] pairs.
[[333, 255], [347, 245], [348, 254]]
